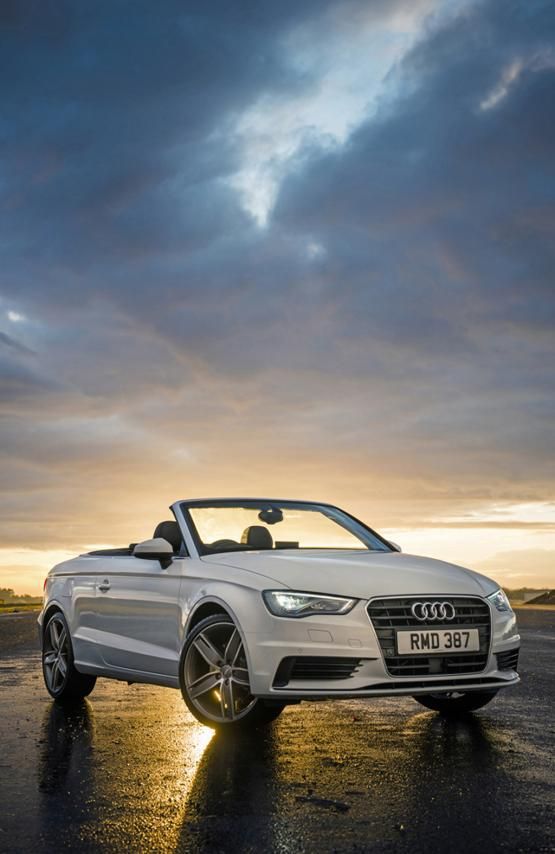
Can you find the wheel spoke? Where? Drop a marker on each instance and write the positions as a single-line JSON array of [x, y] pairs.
[[54, 675], [205, 683], [233, 647], [62, 666], [241, 676], [50, 658], [206, 648], [54, 635], [62, 638], [226, 694]]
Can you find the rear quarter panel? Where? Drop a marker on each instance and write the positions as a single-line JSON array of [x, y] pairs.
[[72, 587]]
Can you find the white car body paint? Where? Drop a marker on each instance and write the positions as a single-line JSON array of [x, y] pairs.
[[129, 617]]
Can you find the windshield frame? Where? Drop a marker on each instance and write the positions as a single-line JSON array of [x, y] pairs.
[[257, 503]]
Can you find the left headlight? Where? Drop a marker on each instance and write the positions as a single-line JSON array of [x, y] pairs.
[[500, 600], [286, 603]]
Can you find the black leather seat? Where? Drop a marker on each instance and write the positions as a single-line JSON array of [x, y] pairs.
[[170, 532], [257, 537]]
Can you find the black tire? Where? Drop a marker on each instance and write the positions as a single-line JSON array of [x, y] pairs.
[[62, 680], [245, 711], [456, 704]]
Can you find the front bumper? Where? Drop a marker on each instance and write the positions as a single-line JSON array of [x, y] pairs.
[[353, 637]]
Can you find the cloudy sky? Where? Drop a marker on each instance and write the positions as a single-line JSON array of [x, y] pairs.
[[292, 249]]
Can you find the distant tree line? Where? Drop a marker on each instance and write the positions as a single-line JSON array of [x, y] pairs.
[[8, 597]]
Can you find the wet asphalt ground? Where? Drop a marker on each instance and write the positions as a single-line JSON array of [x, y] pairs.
[[130, 770]]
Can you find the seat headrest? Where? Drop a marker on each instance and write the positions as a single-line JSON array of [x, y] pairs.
[[170, 532], [258, 537]]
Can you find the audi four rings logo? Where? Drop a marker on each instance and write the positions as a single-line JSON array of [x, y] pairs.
[[433, 611]]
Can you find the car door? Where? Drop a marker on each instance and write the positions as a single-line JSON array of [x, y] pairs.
[[138, 616]]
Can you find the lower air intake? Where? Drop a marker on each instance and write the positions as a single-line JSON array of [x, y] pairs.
[[507, 660], [304, 668]]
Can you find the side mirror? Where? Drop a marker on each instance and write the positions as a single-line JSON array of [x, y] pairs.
[[395, 546], [157, 549]]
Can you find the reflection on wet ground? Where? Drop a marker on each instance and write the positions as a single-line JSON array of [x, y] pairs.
[[129, 769]]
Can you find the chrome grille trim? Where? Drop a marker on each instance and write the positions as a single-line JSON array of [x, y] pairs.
[[387, 614]]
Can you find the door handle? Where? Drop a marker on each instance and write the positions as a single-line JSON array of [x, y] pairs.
[[105, 586]]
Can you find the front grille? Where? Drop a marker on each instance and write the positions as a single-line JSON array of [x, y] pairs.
[[317, 668], [507, 660], [388, 615]]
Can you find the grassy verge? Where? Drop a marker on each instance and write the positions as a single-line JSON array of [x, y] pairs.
[[15, 608]]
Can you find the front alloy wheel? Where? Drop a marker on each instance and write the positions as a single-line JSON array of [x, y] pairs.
[[214, 678]]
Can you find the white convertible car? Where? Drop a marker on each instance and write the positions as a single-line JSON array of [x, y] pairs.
[[248, 605]]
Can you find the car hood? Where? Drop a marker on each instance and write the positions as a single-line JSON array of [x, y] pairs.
[[360, 575]]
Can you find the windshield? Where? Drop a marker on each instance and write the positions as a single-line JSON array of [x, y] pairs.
[[223, 526]]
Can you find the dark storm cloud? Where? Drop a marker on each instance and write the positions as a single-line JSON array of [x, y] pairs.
[[115, 136], [177, 342], [437, 218], [9, 343]]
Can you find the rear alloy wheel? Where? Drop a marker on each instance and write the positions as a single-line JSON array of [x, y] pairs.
[[62, 680], [214, 678], [455, 702]]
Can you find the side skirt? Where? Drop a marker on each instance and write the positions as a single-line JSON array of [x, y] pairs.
[[121, 674]]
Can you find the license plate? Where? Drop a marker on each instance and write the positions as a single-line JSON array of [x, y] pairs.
[[427, 641]]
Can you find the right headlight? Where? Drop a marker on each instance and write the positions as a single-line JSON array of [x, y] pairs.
[[500, 600], [288, 603]]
